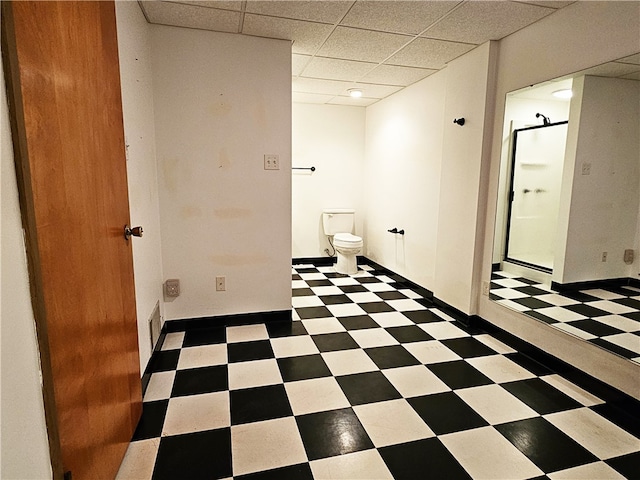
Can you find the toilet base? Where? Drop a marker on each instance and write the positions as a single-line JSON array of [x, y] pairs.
[[347, 264]]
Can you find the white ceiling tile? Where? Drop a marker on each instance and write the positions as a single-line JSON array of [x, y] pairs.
[[298, 62], [370, 90], [635, 59], [325, 87], [307, 36], [364, 45], [297, 97], [394, 75], [336, 69], [353, 102], [479, 21], [225, 5], [191, 16], [315, 11], [428, 53], [410, 17]]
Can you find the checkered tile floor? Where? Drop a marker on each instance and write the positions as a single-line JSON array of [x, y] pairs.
[[608, 318], [370, 381]]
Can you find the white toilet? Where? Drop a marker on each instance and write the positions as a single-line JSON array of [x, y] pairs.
[[338, 223]]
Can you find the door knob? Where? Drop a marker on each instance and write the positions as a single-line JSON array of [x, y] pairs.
[[135, 231]]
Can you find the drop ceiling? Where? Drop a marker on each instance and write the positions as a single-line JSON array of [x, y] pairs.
[[378, 47]]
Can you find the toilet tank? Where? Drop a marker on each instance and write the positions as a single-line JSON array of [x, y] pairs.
[[338, 220]]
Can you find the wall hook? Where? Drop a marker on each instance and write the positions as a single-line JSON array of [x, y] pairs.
[[460, 121]]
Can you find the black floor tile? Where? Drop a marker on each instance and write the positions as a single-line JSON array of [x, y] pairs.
[[258, 404], [151, 421], [285, 329], [164, 361], [586, 310], [306, 313], [361, 388], [392, 295], [301, 471], [295, 276], [627, 465], [626, 419], [331, 342], [368, 279], [545, 445], [423, 316], [191, 456], [532, 302], [391, 357], [358, 322], [195, 381], [446, 413], [377, 307], [629, 302], [458, 374], [529, 290], [307, 270], [335, 299], [301, 292], [336, 432], [468, 347], [612, 347], [541, 396], [408, 334], [529, 364], [594, 327], [426, 302], [424, 459], [249, 351], [580, 296], [632, 315], [204, 336], [353, 288], [541, 316], [319, 283], [303, 368]]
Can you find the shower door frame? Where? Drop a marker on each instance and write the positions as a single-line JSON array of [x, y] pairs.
[[512, 197]]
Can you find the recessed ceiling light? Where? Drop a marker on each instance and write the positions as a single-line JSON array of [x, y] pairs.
[[565, 93], [355, 92]]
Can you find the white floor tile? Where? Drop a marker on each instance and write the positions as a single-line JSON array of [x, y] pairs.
[[365, 465], [561, 314], [173, 341], [595, 433], [557, 299], [508, 293], [293, 346], [253, 374], [574, 331], [373, 337], [415, 381], [160, 385], [346, 362], [294, 315], [510, 283], [390, 319], [442, 315], [575, 392], [299, 284], [443, 330], [431, 351], [247, 333], [312, 276], [342, 281], [327, 269], [500, 369], [139, 460], [202, 356], [621, 323], [366, 268], [328, 290], [603, 294], [518, 307], [363, 297], [591, 471], [406, 305], [495, 404], [346, 310], [195, 413], [392, 422], [306, 301], [496, 345], [625, 340], [378, 287], [317, 326], [484, 453], [266, 445], [409, 293], [611, 307], [315, 395]]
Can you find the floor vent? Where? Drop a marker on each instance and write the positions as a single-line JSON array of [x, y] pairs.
[[154, 326]]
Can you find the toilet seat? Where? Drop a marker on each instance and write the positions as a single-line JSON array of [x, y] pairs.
[[347, 239]]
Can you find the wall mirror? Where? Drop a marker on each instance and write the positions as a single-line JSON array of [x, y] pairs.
[[567, 236]]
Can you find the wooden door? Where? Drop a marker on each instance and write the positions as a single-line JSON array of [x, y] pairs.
[[61, 64]]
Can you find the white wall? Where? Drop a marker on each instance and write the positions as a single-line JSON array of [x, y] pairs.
[[23, 436], [221, 102], [332, 139], [137, 108], [402, 178], [564, 42], [602, 208]]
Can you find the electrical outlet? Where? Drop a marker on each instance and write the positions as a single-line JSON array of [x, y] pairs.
[[172, 287], [221, 284], [586, 170], [271, 162], [604, 256], [485, 288], [628, 256]]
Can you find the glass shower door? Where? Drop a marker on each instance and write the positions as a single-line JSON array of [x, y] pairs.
[[537, 163]]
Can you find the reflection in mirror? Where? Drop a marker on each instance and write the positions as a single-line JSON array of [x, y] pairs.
[[568, 215]]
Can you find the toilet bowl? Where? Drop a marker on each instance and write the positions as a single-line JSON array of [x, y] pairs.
[[347, 247]]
